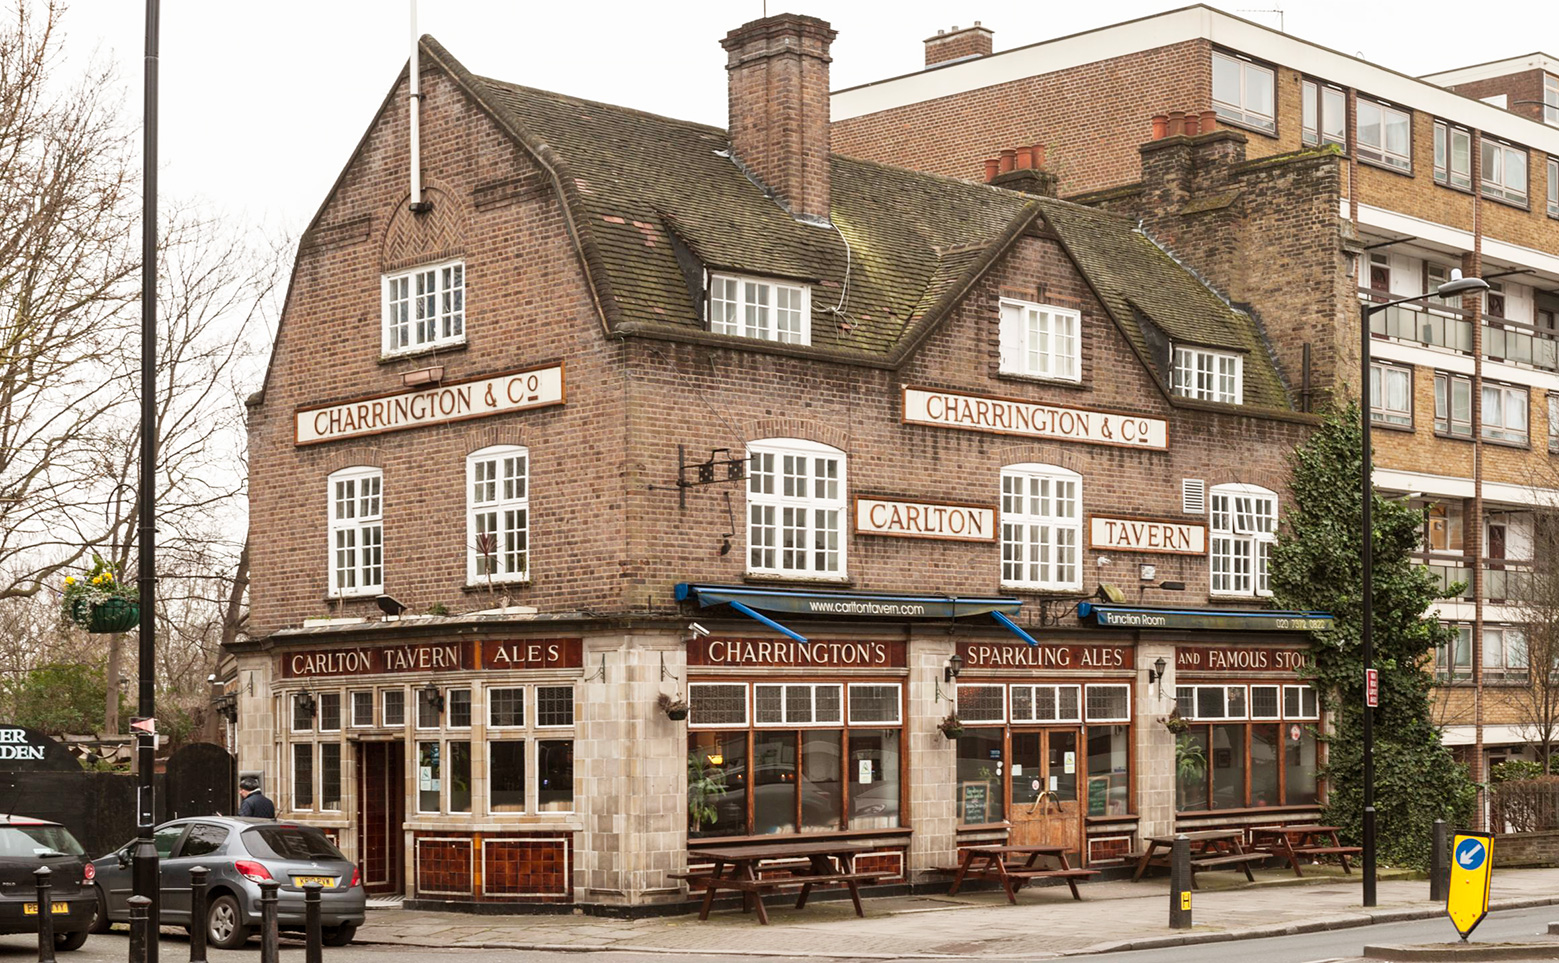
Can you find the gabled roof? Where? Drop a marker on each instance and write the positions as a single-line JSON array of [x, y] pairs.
[[903, 249]]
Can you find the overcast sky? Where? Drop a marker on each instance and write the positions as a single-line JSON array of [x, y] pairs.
[[262, 102]]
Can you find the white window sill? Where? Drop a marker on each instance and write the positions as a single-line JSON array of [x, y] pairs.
[[1041, 379], [1038, 587], [797, 577], [421, 349]]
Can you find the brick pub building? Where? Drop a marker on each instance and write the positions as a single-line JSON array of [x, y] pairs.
[[1214, 131], [622, 407]]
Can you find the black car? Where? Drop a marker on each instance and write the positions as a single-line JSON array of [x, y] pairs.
[[25, 845]]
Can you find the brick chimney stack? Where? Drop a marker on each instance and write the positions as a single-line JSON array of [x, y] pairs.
[[778, 72], [966, 44]]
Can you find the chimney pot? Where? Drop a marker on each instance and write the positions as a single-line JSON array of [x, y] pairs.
[[992, 168], [1009, 160], [1160, 126], [1190, 125], [1176, 123], [1025, 159], [1209, 121], [1039, 155]]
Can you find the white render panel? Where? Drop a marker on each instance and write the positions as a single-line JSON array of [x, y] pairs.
[[1497, 68]]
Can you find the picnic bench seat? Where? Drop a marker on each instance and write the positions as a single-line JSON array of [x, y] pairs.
[[769, 883], [1242, 860], [1292, 842], [1014, 875]]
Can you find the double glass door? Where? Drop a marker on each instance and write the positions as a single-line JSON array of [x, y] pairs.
[[1043, 774]]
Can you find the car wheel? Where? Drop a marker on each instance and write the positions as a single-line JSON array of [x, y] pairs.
[[339, 935], [65, 942], [100, 921], [225, 927]]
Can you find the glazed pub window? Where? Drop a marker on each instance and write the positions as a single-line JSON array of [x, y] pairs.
[[498, 515], [1504, 413], [1453, 658], [1243, 92], [393, 714], [805, 764], [330, 776], [304, 706], [1243, 530], [425, 308], [1041, 527], [540, 755], [1391, 395], [1238, 753], [1452, 156], [1324, 114], [795, 508], [1504, 172], [1452, 405], [330, 712], [765, 310], [1209, 375], [1040, 340], [1046, 703], [302, 776], [362, 709], [356, 532], [1384, 134]]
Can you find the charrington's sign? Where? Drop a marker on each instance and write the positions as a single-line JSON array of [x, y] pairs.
[[1001, 655], [434, 657], [783, 652], [515, 391]]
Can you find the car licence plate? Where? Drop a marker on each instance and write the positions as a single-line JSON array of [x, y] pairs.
[[325, 882], [55, 909]]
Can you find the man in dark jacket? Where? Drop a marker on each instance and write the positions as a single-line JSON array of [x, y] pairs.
[[254, 802]]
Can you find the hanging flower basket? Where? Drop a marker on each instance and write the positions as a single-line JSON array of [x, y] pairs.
[[952, 727], [674, 707], [98, 602]]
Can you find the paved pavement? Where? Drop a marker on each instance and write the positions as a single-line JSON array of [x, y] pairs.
[[1046, 923]]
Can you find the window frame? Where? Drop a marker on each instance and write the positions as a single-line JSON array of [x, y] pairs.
[[1381, 414], [1055, 524], [1507, 392], [738, 324], [1017, 318], [1450, 426], [1250, 701], [1553, 422], [498, 456], [1501, 190], [1186, 372], [357, 524], [1301, 715], [747, 713], [487, 699], [1224, 689], [785, 722], [389, 299], [1553, 187], [1551, 100], [292, 770], [1239, 114], [384, 715], [1504, 671], [898, 705], [352, 698], [958, 689], [1446, 136], [1090, 719], [809, 505], [293, 700], [1382, 155], [1034, 687], [1259, 571], [1313, 96], [319, 711], [573, 707]]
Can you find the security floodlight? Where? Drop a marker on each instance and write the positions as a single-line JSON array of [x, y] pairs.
[[389, 606]]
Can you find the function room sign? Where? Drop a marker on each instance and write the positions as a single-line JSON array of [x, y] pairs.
[[711, 652], [1008, 416], [1234, 658], [440, 404], [1019, 655], [965, 523]]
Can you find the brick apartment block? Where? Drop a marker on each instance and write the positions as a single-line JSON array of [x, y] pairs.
[[621, 405], [1214, 131]]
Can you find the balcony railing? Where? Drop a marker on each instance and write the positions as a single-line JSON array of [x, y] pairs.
[[1442, 326], [1503, 580], [1517, 343], [1404, 323]]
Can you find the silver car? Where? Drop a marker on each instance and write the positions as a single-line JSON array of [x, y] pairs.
[[240, 853]]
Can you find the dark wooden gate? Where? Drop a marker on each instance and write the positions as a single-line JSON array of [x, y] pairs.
[[381, 815], [202, 780]]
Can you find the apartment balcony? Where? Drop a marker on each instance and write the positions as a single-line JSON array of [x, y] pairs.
[[1503, 580], [1505, 340]]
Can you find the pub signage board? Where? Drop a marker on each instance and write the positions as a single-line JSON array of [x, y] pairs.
[[1024, 419], [708, 651], [1018, 655], [424, 657], [533, 654], [440, 404], [1146, 535], [1236, 658], [1140, 618], [966, 523]]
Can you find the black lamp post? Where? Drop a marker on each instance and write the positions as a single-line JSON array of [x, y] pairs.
[[1456, 285]]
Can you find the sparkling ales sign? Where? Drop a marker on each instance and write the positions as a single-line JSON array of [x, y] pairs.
[[515, 391], [967, 523], [1006, 416]]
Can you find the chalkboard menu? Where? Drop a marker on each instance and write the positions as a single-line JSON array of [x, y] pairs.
[[976, 802]]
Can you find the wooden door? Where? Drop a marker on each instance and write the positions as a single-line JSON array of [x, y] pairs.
[[1045, 808], [381, 815]]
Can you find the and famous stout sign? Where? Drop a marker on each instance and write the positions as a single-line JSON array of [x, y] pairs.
[[1236, 658]]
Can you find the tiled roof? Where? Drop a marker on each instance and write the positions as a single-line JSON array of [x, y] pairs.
[[902, 249]]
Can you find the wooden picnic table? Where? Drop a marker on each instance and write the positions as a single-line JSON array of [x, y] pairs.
[[808, 863], [1293, 842], [1210, 849], [991, 862]]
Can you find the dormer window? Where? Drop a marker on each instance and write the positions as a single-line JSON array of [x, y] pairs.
[[425, 308], [1208, 375], [755, 308]]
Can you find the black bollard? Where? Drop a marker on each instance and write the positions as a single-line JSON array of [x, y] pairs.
[[45, 915], [1180, 883], [1439, 866], [312, 948], [140, 910], [197, 914], [269, 947]]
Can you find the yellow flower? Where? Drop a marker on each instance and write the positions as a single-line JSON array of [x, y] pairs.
[[70, 580]]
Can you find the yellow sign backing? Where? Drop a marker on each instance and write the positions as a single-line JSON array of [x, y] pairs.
[[1472, 864]]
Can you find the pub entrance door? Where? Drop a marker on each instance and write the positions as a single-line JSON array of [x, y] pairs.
[[381, 815], [1045, 809]]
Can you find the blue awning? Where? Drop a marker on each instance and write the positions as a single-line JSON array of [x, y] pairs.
[[753, 602], [1243, 620], [1015, 628]]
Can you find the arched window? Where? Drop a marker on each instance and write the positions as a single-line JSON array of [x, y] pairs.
[[1041, 527], [498, 515], [356, 532], [795, 508], [1244, 524]]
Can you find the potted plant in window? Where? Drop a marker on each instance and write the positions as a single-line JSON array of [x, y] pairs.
[[675, 707], [98, 601], [705, 785], [952, 727]]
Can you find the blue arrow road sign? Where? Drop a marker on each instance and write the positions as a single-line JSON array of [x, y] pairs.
[[1470, 854]]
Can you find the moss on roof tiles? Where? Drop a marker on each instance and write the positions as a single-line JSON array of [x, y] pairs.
[[901, 244]]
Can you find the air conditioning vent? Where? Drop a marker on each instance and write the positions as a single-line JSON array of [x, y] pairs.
[[1193, 496]]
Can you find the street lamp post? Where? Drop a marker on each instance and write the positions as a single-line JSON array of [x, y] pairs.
[[1456, 285]]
